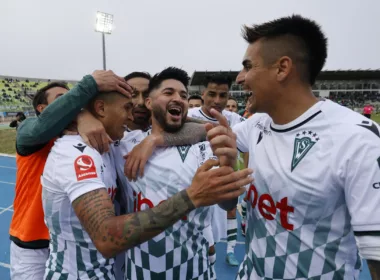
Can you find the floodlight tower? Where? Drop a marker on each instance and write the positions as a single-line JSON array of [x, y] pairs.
[[104, 25]]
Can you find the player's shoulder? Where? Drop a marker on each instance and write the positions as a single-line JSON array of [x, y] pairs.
[[194, 110], [232, 115], [258, 120], [70, 147], [135, 136], [346, 123]]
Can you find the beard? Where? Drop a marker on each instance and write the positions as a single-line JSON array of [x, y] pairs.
[[160, 115]]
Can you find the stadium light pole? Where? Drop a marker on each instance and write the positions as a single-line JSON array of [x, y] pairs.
[[104, 25]]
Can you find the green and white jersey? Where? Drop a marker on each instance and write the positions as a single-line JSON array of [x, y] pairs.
[[316, 183], [73, 169], [181, 251]]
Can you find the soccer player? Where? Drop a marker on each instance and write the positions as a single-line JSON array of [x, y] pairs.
[[232, 105], [215, 96], [139, 81], [56, 107], [195, 101], [181, 251], [314, 205], [78, 188]]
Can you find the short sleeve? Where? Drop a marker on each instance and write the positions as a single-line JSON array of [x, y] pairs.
[[361, 177], [236, 118], [81, 173], [242, 136]]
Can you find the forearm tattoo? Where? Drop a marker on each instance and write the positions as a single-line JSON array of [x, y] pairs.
[[120, 233], [190, 134]]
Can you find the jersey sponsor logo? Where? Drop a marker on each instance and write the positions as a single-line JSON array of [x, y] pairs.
[[141, 203], [260, 126], [302, 144], [183, 150], [85, 168], [268, 207], [80, 147]]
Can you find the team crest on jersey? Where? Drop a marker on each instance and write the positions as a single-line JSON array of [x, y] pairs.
[[183, 150], [304, 141], [85, 168]]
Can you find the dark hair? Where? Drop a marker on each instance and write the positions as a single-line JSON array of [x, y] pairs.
[[195, 97], [41, 98], [132, 75], [21, 115], [218, 79], [169, 73], [295, 36]]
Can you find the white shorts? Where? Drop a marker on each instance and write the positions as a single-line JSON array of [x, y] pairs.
[[218, 223], [28, 264]]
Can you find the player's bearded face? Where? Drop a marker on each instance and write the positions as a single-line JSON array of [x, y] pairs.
[[169, 105], [170, 117]]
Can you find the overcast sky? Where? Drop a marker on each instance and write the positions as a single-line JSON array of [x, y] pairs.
[[56, 39]]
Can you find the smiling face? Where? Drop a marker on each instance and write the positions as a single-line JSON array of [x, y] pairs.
[[169, 105], [257, 79], [113, 110]]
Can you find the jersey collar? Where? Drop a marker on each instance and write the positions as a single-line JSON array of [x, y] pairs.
[[300, 121]]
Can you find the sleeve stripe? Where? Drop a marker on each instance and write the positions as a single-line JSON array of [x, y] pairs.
[[370, 233]]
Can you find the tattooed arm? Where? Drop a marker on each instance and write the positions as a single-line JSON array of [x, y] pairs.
[[114, 234]]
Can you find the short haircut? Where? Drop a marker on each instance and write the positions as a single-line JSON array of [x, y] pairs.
[[107, 97], [41, 96], [168, 74], [132, 75], [195, 97], [219, 79], [297, 37]]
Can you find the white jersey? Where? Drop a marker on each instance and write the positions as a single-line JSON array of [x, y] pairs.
[[219, 222], [231, 117], [181, 251], [73, 169], [316, 182]]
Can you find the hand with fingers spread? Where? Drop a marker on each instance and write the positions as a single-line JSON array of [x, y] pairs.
[[214, 186], [222, 140], [138, 157], [108, 81], [93, 132]]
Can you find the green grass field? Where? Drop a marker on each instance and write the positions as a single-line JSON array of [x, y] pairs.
[[7, 141]]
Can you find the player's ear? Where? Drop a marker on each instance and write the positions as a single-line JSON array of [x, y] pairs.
[[41, 107], [99, 108], [148, 103]]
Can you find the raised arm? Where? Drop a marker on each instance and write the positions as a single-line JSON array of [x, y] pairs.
[[114, 234], [57, 115]]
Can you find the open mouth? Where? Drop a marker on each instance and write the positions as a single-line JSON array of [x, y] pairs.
[[175, 112]]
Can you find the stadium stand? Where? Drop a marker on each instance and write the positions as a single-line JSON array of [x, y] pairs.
[[351, 88], [16, 94]]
